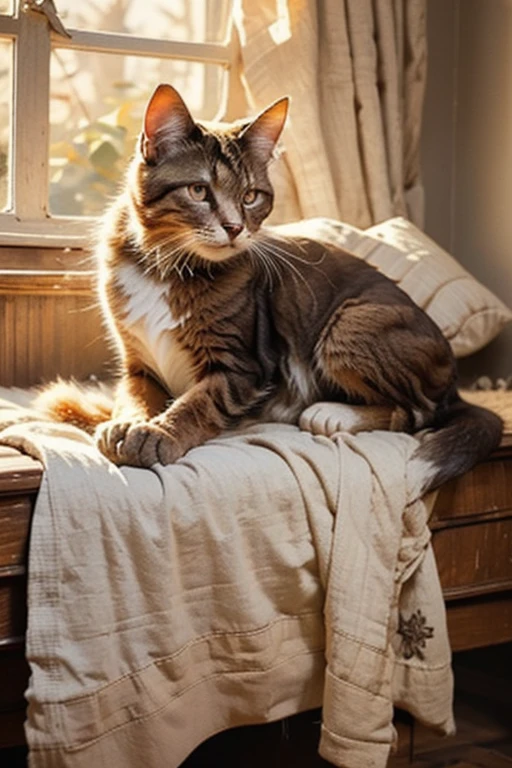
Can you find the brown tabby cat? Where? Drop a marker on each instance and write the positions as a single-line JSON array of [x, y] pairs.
[[218, 321]]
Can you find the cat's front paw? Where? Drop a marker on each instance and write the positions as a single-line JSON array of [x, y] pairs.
[[138, 444]]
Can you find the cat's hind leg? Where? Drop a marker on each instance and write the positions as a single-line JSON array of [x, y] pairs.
[[381, 358]]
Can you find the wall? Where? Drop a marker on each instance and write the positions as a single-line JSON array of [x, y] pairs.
[[467, 150], [49, 319]]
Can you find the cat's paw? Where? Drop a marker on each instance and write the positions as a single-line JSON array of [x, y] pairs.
[[137, 444]]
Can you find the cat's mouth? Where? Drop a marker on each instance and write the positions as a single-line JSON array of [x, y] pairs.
[[220, 251]]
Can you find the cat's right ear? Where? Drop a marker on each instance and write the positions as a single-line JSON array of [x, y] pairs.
[[166, 120]]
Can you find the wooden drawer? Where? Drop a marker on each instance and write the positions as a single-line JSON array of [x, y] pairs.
[[472, 529], [474, 559], [484, 492], [13, 611], [480, 621], [20, 477], [15, 516]]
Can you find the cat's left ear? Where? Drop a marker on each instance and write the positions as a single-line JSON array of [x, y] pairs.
[[166, 120], [262, 133]]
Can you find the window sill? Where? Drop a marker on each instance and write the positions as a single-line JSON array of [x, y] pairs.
[[59, 232], [46, 282]]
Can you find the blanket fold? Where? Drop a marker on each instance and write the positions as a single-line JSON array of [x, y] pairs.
[[268, 572]]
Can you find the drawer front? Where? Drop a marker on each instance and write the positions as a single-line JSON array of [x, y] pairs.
[[485, 490], [474, 559], [13, 611], [480, 621], [15, 515]]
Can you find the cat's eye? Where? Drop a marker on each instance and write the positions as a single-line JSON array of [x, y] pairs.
[[251, 197], [198, 192]]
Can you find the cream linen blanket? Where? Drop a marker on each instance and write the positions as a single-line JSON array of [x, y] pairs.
[[268, 572]]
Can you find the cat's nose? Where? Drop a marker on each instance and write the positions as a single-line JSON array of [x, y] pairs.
[[233, 230]]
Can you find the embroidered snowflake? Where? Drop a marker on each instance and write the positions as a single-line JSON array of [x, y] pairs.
[[415, 633]]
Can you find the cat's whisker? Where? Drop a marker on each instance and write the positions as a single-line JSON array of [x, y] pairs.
[[275, 235], [260, 258], [286, 252], [269, 266], [172, 252], [276, 261], [270, 240], [281, 256]]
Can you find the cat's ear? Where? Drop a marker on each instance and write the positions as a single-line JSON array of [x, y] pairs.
[[262, 133], [166, 120]]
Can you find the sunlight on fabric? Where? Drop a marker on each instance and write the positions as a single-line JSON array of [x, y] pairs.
[[6, 53], [280, 30]]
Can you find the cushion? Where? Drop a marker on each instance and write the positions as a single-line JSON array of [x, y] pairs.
[[468, 313]]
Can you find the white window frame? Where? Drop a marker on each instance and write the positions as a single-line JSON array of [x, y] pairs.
[[28, 222]]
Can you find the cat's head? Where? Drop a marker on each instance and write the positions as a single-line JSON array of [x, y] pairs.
[[198, 188]]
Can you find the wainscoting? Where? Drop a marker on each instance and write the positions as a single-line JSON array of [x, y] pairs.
[[50, 322]]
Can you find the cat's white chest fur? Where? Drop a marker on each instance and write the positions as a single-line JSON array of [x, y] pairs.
[[149, 321]]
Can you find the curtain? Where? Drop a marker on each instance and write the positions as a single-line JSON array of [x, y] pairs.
[[355, 71]]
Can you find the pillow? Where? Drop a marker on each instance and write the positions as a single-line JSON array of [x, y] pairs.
[[468, 313]]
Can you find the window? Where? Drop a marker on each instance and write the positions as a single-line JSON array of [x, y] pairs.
[[71, 107]]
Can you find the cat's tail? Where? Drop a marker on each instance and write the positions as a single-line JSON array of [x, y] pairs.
[[83, 405], [464, 435]]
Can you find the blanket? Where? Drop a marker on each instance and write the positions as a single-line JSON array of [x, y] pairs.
[[269, 571]]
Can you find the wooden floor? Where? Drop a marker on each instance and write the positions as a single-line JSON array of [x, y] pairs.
[[483, 708]]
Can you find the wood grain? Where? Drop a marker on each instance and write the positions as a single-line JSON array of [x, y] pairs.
[[475, 558], [48, 329], [15, 516], [13, 611], [18, 473], [485, 490], [480, 621]]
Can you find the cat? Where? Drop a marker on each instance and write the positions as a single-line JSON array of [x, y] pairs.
[[218, 320]]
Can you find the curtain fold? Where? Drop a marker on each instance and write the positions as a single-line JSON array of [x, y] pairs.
[[355, 71]]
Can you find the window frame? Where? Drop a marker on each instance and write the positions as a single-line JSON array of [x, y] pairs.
[[28, 221]]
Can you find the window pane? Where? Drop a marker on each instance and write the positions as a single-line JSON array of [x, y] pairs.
[[192, 20], [6, 6], [96, 110], [5, 121]]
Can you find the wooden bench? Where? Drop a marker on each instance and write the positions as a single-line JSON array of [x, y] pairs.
[[472, 535]]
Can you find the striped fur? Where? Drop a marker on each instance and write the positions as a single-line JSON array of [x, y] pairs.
[[218, 320]]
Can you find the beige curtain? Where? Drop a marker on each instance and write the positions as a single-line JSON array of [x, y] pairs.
[[355, 71]]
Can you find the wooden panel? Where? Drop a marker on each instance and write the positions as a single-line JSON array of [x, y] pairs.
[[15, 258], [45, 336], [15, 515], [478, 622], [476, 558], [13, 611], [18, 473], [50, 322], [485, 490], [16, 282]]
